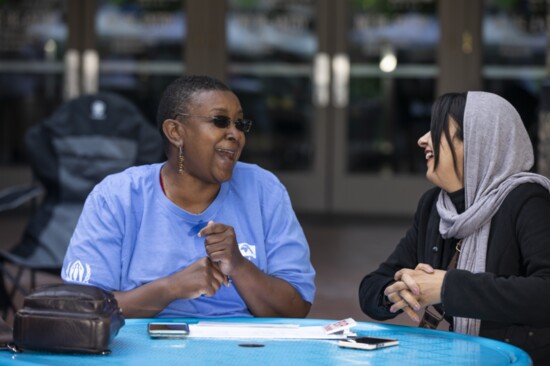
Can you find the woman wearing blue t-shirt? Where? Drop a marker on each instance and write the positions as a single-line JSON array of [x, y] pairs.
[[200, 235]]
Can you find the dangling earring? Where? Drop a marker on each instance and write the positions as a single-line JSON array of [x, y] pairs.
[[180, 161]]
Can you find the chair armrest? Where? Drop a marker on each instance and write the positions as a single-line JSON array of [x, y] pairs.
[[15, 196]]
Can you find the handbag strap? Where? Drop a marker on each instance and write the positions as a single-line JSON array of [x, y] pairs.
[[434, 315]]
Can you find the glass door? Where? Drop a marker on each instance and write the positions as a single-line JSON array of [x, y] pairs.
[[514, 56], [140, 46], [277, 68], [392, 54], [33, 38], [339, 91]]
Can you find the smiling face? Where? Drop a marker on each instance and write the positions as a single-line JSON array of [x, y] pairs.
[[445, 175], [211, 152]]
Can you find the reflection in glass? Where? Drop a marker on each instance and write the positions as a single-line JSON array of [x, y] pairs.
[[141, 47], [384, 129], [140, 30], [409, 27], [514, 49], [514, 32], [393, 48], [271, 46], [33, 37], [281, 111]]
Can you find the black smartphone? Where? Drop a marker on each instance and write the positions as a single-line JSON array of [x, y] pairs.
[[368, 343], [168, 330]]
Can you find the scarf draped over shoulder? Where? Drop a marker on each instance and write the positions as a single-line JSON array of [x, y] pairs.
[[497, 157]]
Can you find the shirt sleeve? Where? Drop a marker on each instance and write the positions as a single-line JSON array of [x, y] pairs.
[[93, 256], [288, 255]]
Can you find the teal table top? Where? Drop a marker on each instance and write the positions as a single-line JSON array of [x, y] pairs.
[[133, 346]]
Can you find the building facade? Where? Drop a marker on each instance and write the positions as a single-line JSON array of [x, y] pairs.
[[339, 91]]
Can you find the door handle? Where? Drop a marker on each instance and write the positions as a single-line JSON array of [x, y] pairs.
[[90, 71], [340, 82], [71, 88], [321, 79]]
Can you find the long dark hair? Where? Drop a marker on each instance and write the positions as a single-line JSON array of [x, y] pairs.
[[446, 106]]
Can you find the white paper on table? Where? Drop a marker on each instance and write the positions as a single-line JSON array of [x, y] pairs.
[[205, 329]]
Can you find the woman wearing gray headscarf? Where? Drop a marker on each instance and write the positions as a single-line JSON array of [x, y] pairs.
[[479, 248]]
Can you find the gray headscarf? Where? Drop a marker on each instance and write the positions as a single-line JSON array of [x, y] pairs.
[[497, 156]]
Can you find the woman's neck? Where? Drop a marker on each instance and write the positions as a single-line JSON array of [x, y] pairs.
[[459, 200], [186, 191]]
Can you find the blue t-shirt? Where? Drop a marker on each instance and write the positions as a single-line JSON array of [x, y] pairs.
[[130, 234]]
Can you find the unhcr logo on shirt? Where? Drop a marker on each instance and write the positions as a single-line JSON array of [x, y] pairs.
[[77, 272], [248, 251]]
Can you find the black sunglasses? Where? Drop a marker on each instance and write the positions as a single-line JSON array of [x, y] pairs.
[[243, 125]]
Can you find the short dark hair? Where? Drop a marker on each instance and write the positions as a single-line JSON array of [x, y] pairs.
[[178, 95], [445, 106]]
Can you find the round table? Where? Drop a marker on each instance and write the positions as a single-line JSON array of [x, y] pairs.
[[133, 346]]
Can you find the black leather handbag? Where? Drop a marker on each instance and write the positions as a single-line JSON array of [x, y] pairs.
[[68, 318]]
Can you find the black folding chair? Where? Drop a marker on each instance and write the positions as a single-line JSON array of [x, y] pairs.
[[85, 140]]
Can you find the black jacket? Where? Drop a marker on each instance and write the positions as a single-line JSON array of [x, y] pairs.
[[512, 298]]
